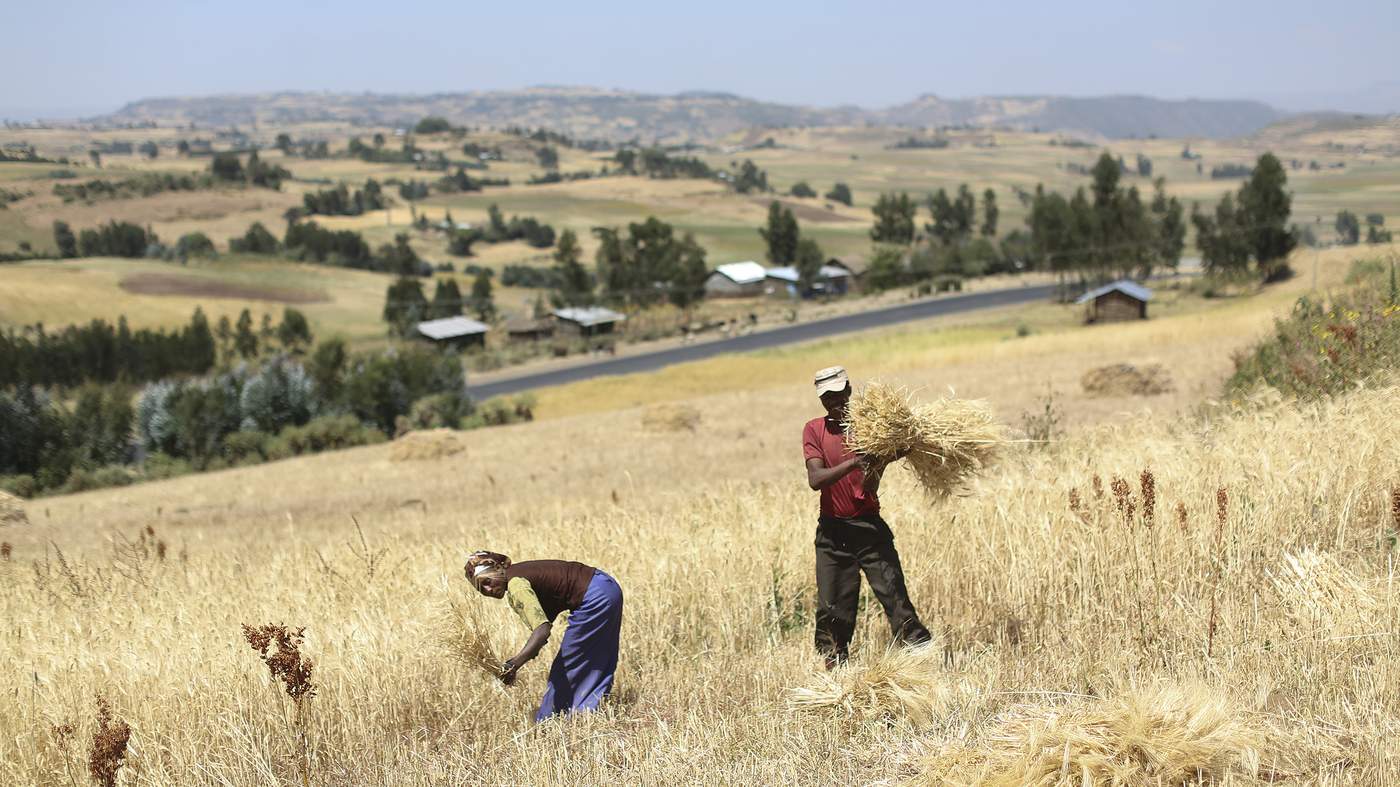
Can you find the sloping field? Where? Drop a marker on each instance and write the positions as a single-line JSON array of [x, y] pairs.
[[163, 294], [1259, 581]]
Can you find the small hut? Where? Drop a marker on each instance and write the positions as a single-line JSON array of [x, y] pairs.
[[460, 332], [736, 280], [832, 280], [1117, 302], [586, 321], [529, 329]]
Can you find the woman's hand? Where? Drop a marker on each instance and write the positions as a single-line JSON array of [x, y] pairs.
[[508, 673]]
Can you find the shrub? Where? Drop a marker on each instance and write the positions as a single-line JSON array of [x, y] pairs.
[[445, 410], [81, 480], [1323, 349], [381, 387], [280, 394], [160, 466], [195, 244], [20, 485], [802, 189], [327, 433], [245, 446]]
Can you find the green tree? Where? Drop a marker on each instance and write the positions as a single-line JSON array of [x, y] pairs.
[[990, 212], [688, 273], [750, 179], [1348, 228], [894, 219], [245, 342], [65, 240], [840, 193], [149, 149], [327, 369], [1171, 226], [447, 300], [964, 213], [432, 125], [781, 234], [802, 189], [575, 283], [886, 270], [944, 225], [548, 157], [808, 260], [257, 240], [227, 167], [284, 143], [482, 302], [1265, 206], [1221, 238], [294, 332], [405, 305]]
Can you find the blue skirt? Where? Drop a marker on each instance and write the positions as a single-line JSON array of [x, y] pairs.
[[582, 673]]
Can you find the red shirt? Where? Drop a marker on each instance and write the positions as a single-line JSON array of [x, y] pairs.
[[845, 499]]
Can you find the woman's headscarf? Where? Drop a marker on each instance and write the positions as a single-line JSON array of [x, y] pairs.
[[483, 564]]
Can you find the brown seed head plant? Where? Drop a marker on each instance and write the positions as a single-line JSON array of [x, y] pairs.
[[285, 661], [1076, 506], [946, 441], [1395, 506], [5, 550], [1181, 516], [1148, 484], [1222, 509], [108, 750]]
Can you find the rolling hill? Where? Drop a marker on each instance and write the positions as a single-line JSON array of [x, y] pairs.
[[702, 116]]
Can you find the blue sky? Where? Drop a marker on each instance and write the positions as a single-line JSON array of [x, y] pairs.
[[66, 56]]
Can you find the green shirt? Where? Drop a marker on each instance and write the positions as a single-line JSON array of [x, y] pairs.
[[526, 604]]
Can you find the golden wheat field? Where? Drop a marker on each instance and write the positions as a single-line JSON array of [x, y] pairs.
[[1172, 592]]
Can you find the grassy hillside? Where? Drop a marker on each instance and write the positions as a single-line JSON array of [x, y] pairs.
[[1260, 585]]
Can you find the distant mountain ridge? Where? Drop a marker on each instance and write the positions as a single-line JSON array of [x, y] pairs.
[[699, 116]]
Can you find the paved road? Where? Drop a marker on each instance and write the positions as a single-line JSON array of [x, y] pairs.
[[799, 332]]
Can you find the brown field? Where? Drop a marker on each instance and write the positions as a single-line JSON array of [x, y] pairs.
[[190, 286], [1255, 605]]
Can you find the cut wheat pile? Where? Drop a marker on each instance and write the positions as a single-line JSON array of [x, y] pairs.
[[902, 683], [431, 444], [11, 512], [947, 440], [1163, 735]]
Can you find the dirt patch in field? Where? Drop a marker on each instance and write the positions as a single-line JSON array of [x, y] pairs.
[[175, 284], [807, 212]]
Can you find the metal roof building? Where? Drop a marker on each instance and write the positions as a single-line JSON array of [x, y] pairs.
[[736, 279], [1124, 299], [456, 330]]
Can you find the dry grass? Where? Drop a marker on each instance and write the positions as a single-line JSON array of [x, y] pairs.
[[425, 445], [1125, 379], [465, 637], [1036, 602], [947, 440], [670, 418]]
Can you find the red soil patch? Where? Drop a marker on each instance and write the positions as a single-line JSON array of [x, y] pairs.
[[807, 212], [175, 284]]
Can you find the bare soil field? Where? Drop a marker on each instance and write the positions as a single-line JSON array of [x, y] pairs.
[[190, 287]]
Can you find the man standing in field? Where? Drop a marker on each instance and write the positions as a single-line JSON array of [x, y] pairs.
[[851, 536]]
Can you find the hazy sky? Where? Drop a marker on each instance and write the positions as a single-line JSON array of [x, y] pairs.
[[64, 56]]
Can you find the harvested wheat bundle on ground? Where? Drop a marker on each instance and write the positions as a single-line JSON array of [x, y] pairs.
[[946, 440], [901, 683]]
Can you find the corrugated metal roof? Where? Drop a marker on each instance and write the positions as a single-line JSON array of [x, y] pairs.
[[747, 272], [1128, 287], [451, 327], [788, 273], [588, 315]]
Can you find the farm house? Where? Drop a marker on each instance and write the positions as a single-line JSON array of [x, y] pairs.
[[833, 280], [460, 332], [586, 321], [736, 280], [1117, 302]]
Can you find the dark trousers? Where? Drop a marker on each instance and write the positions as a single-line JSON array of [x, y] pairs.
[[845, 547]]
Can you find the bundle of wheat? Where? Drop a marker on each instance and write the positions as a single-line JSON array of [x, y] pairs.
[[946, 440], [901, 683], [670, 418], [430, 444], [1163, 735], [11, 512], [465, 637], [1124, 379]]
